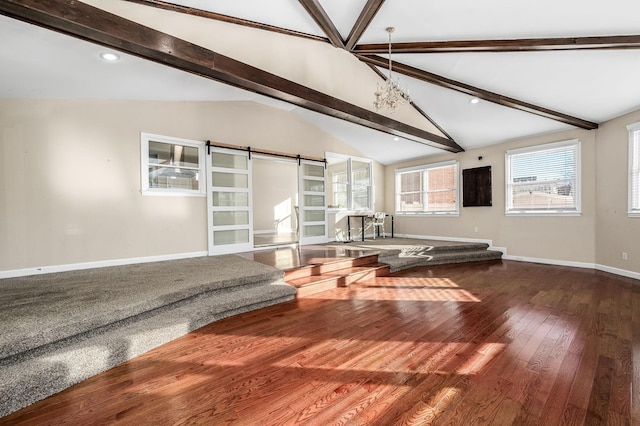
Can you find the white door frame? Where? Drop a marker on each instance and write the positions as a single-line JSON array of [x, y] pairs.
[[312, 202], [229, 203]]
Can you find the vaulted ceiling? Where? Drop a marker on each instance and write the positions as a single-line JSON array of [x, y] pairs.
[[536, 67]]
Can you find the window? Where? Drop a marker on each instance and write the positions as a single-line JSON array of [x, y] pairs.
[[350, 182], [544, 179], [428, 189], [171, 166], [634, 169]]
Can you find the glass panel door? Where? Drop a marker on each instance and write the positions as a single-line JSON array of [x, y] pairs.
[[312, 197], [229, 202]]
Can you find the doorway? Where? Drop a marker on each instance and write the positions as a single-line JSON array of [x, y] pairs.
[[259, 201], [275, 201]]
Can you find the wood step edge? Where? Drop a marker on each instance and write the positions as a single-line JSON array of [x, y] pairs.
[[342, 263], [338, 275]]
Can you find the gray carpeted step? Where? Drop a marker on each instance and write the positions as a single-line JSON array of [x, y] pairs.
[[403, 253], [38, 310], [46, 370], [440, 257], [59, 329]]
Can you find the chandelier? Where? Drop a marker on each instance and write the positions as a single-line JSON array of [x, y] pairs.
[[389, 94]]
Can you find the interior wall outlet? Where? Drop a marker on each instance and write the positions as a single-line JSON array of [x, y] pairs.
[[475, 229], [624, 255]]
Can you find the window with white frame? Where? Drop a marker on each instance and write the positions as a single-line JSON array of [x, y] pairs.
[[543, 179], [350, 182], [428, 189], [171, 166], [634, 169]]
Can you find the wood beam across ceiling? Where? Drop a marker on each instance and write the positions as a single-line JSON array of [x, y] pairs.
[[225, 18], [366, 16], [317, 12], [477, 92], [507, 45], [95, 25]]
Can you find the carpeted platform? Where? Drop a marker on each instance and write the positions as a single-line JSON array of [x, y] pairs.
[[403, 253], [59, 329]]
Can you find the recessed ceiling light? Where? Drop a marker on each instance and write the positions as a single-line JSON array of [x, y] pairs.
[[396, 139], [474, 100], [109, 57]]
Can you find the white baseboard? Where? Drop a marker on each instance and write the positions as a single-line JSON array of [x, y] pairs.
[[132, 261], [618, 271], [98, 264], [455, 239], [556, 262]]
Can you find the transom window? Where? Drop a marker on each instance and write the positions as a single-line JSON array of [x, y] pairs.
[[543, 179], [634, 170], [350, 182], [172, 166], [428, 189]]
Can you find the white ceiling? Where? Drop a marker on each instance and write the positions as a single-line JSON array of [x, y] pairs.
[[595, 85]]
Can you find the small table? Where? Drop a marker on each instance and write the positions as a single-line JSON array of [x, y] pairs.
[[363, 217]]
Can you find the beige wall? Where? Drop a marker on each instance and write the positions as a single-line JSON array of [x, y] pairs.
[[70, 185], [70, 175], [275, 193], [568, 239], [615, 231]]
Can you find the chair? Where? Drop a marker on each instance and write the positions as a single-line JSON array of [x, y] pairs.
[[378, 224]]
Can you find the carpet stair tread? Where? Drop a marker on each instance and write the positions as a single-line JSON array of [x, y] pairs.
[[51, 307], [443, 257], [42, 372]]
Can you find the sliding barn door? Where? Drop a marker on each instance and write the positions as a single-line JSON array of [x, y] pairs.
[[230, 217], [312, 200]]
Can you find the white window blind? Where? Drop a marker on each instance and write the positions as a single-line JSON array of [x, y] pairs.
[[634, 169], [544, 179], [428, 189]]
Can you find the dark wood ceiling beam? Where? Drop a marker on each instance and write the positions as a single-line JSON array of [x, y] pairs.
[[477, 92], [366, 16], [317, 12], [512, 45], [225, 18], [86, 22]]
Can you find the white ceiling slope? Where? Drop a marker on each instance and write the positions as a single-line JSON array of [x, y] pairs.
[[594, 85]]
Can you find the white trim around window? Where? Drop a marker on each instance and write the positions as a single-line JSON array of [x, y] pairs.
[[543, 180], [418, 195], [172, 166], [634, 170], [349, 183]]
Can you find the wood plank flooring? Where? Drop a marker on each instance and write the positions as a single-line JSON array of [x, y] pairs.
[[479, 343]]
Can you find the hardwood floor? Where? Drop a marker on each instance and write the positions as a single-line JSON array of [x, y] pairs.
[[477, 343], [294, 257]]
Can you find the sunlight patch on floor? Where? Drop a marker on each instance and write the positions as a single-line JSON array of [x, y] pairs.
[[416, 251], [402, 289], [480, 358]]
